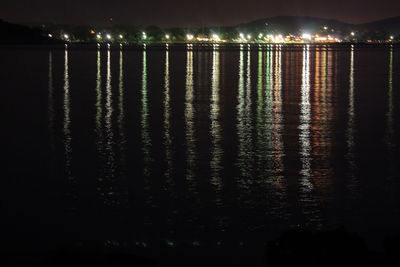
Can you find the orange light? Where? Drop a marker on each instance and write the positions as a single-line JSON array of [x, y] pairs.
[[92, 32]]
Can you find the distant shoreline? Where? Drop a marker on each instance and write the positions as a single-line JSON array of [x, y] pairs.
[[195, 45]]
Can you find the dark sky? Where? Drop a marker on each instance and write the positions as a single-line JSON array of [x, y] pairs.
[[191, 13]]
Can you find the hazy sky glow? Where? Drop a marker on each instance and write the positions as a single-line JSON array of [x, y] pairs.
[[191, 13]]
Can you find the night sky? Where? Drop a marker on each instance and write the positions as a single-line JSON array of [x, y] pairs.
[[190, 13]]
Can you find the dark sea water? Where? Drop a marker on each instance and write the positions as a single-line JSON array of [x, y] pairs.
[[163, 152]]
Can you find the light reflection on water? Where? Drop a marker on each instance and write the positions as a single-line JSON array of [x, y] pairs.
[[121, 113], [305, 126], [244, 128], [389, 114], [257, 139], [99, 125], [105, 136], [110, 194], [215, 129], [67, 136], [145, 134], [121, 169], [321, 128], [277, 117], [67, 119], [390, 142], [167, 125], [350, 132], [189, 125]]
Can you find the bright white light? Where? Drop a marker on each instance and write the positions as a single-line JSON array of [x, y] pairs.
[[50, 35], [325, 28], [66, 36], [108, 36], [120, 36], [306, 36], [189, 37], [216, 37], [98, 36], [242, 35], [277, 38], [260, 36], [353, 33], [391, 37], [248, 36], [167, 36]]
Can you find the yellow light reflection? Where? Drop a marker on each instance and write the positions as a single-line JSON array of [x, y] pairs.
[[244, 126], [189, 123], [321, 121], [121, 122], [241, 118], [277, 126], [261, 131], [167, 123], [215, 130], [350, 140], [146, 139], [305, 125], [99, 110]]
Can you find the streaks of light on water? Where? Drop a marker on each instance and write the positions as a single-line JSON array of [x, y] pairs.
[[321, 123], [189, 124], [305, 125], [350, 132], [215, 129], [145, 133], [277, 118], [67, 119], [244, 129], [390, 109], [167, 124]]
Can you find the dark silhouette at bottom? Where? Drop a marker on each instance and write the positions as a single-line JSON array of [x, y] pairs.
[[330, 248], [293, 248]]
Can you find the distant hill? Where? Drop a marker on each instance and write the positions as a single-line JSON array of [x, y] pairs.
[[378, 30], [390, 25], [295, 25], [18, 34], [298, 25]]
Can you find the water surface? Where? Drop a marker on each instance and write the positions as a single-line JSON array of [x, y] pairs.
[[150, 150]]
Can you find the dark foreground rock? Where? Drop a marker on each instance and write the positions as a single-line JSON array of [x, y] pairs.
[[331, 248]]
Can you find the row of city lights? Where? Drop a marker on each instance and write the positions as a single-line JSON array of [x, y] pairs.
[[242, 37]]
